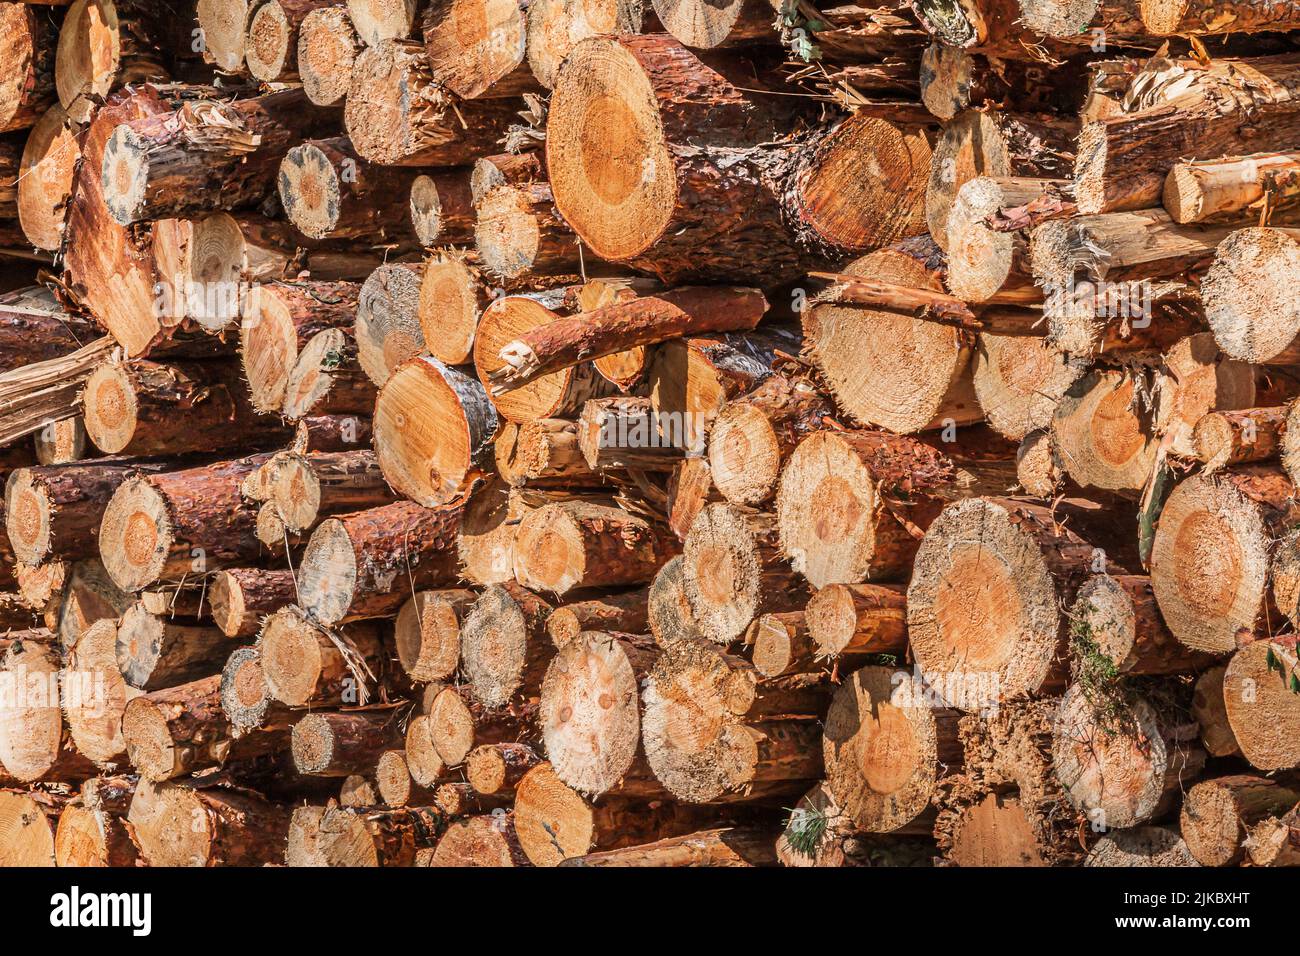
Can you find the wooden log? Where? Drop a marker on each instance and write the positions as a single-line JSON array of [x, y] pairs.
[[62, 442], [590, 713], [518, 233], [28, 822], [543, 453], [225, 38], [95, 695], [330, 192], [32, 730], [890, 369], [486, 541], [208, 155], [1117, 617], [144, 408], [733, 570], [29, 47], [327, 47], [556, 395], [34, 327], [1244, 436], [647, 320], [1195, 378], [427, 633], [272, 38], [357, 792], [339, 837], [340, 743], [854, 620], [306, 489], [1233, 188], [155, 651], [1218, 814], [1209, 560], [725, 847], [306, 666], [496, 769], [985, 264], [245, 698], [433, 430], [457, 722], [92, 829], [588, 544], [88, 595], [668, 612], [1261, 704], [1103, 435], [1211, 714], [353, 563], [674, 213], [983, 604], [555, 27], [328, 379], [1140, 846], [1019, 381], [712, 733], [851, 503], [1123, 160], [388, 326], [159, 527], [622, 611], [376, 21], [397, 115], [394, 785], [132, 32], [484, 840], [885, 749], [180, 825], [504, 646], [1124, 22], [504, 169], [476, 47], [46, 173], [242, 597], [332, 432], [625, 432], [1119, 761], [1248, 305]]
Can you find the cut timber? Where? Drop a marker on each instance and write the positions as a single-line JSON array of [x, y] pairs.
[[484, 840], [95, 695], [1263, 709], [714, 733], [504, 647], [379, 20], [442, 210], [1124, 21], [224, 23], [32, 739], [623, 369], [780, 645], [35, 328], [1211, 714], [991, 143], [306, 666], [427, 633], [180, 825], [1220, 439], [1196, 378], [886, 747], [208, 155], [693, 192], [983, 611], [156, 651], [92, 830], [370, 837], [590, 713], [453, 296], [272, 37], [341, 743], [888, 368], [328, 379], [27, 78], [832, 207], [1285, 573], [732, 570], [159, 527], [55, 510], [366, 564], [88, 595], [1140, 846], [27, 828], [554, 823], [332, 432], [645, 320], [854, 620], [543, 453], [1118, 618], [394, 784], [1217, 815], [754, 435], [327, 46], [1103, 435], [476, 47], [388, 325], [985, 264], [728, 847], [556, 395], [279, 319], [626, 432], [433, 430], [241, 597], [555, 27], [456, 723], [575, 544], [496, 769], [1233, 188], [1228, 108], [486, 541], [1117, 760], [513, 169], [182, 730], [329, 192], [1209, 561], [142, 408], [621, 611], [1251, 302], [244, 698], [305, 489], [46, 174], [1275, 841], [62, 442], [397, 115], [706, 25], [851, 504], [668, 613], [104, 44], [1019, 381]]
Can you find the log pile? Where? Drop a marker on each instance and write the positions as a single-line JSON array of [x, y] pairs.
[[524, 434]]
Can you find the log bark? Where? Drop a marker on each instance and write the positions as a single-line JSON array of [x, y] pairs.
[[1141, 846], [625, 432], [335, 744], [1244, 436], [186, 825], [155, 651], [329, 192], [242, 597], [729, 847], [365, 564]]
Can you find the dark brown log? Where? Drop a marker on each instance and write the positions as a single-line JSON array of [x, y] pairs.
[[241, 597], [155, 651], [35, 328], [344, 742], [273, 35]]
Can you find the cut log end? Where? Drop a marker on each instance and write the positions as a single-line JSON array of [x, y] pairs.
[[1263, 711], [309, 186], [27, 517], [149, 743], [291, 659], [28, 831], [135, 535], [269, 42], [223, 23], [744, 455], [111, 408], [327, 45], [244, 696], [1250, 304]]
